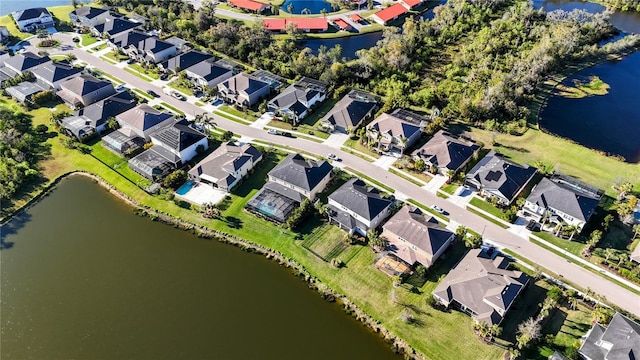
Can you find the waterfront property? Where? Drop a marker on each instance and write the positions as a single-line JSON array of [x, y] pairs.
[[352, 110], [396, 132], [208, 74], [445, 153], [482, 286], [32, 19], [494, 176], [225, 167], [562, 200], [415, 238], [4, 35], [289, 183], [250, 5], [410, 4], [136, 125], [89, 16], [93, 118], [24, 91], [384, 16], [243, 90], [184, 60], [84, 90], [619, 340], [52, 75], [172, 147], [303, 24], [296, 101], [356, 208]]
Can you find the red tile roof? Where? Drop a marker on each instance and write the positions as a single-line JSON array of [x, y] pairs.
[[356, 17], [391, 12], [342, 24], [249, 5], [301, 23], [412, 3]]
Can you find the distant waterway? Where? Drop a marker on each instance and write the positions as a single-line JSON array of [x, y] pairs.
[[9, 6], [82, 277]]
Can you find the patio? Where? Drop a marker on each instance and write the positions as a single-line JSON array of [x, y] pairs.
[[200, 194]]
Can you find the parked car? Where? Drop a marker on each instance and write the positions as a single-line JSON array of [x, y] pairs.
[[272, 131], [533, 226], [152, 93], [76, 39], [334, 157], [178, 96], [164, 76], [287, 134], [131, 61], [120, 88], [438, 209]]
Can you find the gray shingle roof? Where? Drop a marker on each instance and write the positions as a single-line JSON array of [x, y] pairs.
[[32, 13], [361, 199], [444, 150], [394, 126], [116, 26], [294, 97], [425, 233], [153, 45], [496, 173], [143, 117], [26, 61], [85, 84], [186, 60], [179, 136], [351, 109], [225, 160], [55, 71], [622, 333], [561, 196], [99, 112], [306, 174], [208, 70], [482, 284], [129, 38], [244, 82], [89, 12]]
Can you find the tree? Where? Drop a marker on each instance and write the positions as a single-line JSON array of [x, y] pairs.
[[528, 332], [461, 232], [112, 123], [514, 353], [623, 257], [473, 241], [227, 135], [606, 222], [175, 179], [608, 253], [74, 3], [376, 241], [419, 165], [636, 231], [290, 8], [421, 271]]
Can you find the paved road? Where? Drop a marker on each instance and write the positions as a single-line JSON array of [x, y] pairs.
[[503, 238]]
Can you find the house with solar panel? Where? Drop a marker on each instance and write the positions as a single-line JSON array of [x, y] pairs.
[[288, 184], [356, 207], [494, 176]]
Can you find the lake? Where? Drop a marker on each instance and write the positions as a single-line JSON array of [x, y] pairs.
[[609, 123], [313, 6], [9, 6], [83, 277], [350, 45]]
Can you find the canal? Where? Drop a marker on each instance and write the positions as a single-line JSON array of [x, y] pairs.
[[83, 277]]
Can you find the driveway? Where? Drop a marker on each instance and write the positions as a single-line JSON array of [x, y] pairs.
[[504, 238]]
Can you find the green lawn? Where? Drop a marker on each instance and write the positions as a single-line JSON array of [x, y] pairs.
[[232, 118], [402, 175], [370, 180], [569, 158], [326, 241], [573, 247], [566, 326], [12, 28], [61, 12], [88, 39], [356, 145], [479, 203], [175, 84], [450, 188], [115, 56], [302, 128], [249, 115], [138, 74], [143, 93], [99, 47], [139, 69], [117, 163], [489, 218]]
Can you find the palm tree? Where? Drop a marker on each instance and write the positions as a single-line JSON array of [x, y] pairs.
[[608, 253], [636, 231], [290, 8], [305, 11], [323, 12], [622, 258]]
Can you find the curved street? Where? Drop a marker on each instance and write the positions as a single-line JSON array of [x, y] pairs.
[[499, 236]]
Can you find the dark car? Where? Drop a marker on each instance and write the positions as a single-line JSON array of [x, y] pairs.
[[131, 61], [75, 39], [533, 226], [287, 134], [164, 77], [153, 93]]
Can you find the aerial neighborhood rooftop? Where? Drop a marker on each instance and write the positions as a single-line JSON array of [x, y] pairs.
[[175, 128]]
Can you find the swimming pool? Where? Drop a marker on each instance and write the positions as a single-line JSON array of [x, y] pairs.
[[184, 188]]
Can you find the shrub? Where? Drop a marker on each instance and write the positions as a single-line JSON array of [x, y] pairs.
[[175, 179], [42, 97]]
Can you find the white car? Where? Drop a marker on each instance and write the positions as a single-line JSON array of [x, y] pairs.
[[120, 88], [272, 131], [438, 209]]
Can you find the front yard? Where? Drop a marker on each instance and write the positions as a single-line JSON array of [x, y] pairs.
[[356, 145]]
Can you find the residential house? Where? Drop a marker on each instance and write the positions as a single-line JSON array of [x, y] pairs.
[[635, 254], [180, 44], [352, 110], [136, 126], [208, 74], [494, 176], [617, 341], [32, 19], [52, 75], [356, 207], [396, 132], [415, 238], [226, 166], [5, 36], [342, 24], [114, 26], [296, 100], [275, 82], [151, 50], [562, 200], [289, 183], [84, 90], [21, 63], [184, 60], [88, 16], [250, 5], [93, 119], [243, 90], [125, 40], [319, 24], [446, 153], [482, 286], [384, 16], [24, 91], [410, 4]]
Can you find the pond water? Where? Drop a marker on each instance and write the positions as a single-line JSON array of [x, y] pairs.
[[314, 6], [350, 45], [95, 281]]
